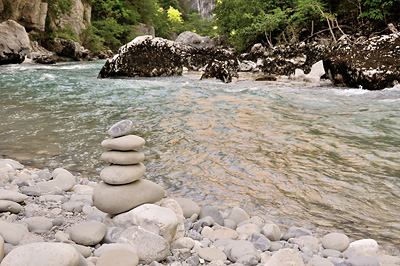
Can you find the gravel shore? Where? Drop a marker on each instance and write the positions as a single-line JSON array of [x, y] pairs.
[[41, 219]]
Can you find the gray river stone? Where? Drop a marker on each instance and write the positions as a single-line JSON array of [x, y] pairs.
[[38, 224], [318, 261], [285, 257], [248, 229], [122, 174], [42, 254], [124, 143], [336, 241], [156, 219], [121, 198], [211, 254], [149, 246], [121, 128], [362, 261], [88, 233], [108, 247], [239, 248], [272, 232], [260, 241], [12, 195], [12, 233], [238, 215], [213, 212], [1, 248], [9, 206], [123, 157], [118, 257], [189, 207]]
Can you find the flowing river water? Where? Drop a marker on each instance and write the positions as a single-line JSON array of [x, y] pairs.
[[316, 156]]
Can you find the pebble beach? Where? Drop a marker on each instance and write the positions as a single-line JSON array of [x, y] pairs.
[[52, 217]]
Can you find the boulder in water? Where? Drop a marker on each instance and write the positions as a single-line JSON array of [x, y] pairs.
[[371, 64], [14, 43]]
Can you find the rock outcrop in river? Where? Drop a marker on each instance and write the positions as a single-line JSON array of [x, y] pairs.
[[14, 43], [147, 56], [373, 64]]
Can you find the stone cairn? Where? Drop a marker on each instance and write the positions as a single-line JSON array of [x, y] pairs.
[[122, 187]]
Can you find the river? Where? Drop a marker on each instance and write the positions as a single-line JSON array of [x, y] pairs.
[[316, 156]]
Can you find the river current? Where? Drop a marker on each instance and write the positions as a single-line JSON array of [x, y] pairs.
[[317, 156]]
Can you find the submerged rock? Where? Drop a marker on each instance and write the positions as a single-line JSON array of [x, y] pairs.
[[372, 64]]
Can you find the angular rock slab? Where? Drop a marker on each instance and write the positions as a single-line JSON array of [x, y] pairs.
[[121, 198], [42, 254], [149, 246], [88, 233], [156, 219], [121, 128], [124, 143], [123, 157], [122, 174]]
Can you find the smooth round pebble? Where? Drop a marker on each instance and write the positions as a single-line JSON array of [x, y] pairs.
[[9, 206], [272, 232], [1, 248], [211, 254], [285, 257], [88, 233], [336, 241], [123, 157], [38, 224], [212, 212], [362, 261], [118, 257], [12, 233], [124, 143], [238, 215], [42, 254], [189, 207], [365, 245], [12, 195], [122, 174]]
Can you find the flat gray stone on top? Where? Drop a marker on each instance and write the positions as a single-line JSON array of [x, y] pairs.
[[121, 128], [124, 143], [42, 254]]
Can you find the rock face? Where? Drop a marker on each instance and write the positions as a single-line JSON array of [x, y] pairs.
[[29, 13], [79, 17], [69, 48], [205, 7], [373, 64], [147, 56], [14, 43]]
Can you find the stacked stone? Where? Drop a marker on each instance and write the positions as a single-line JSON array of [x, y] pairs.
[[122, 187]]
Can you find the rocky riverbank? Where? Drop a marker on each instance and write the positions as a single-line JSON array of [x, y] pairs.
[[53, 217]]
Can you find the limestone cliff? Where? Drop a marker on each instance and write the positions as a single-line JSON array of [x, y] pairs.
[[205, 7], [79, 18], [29, 13], [32, 15]]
